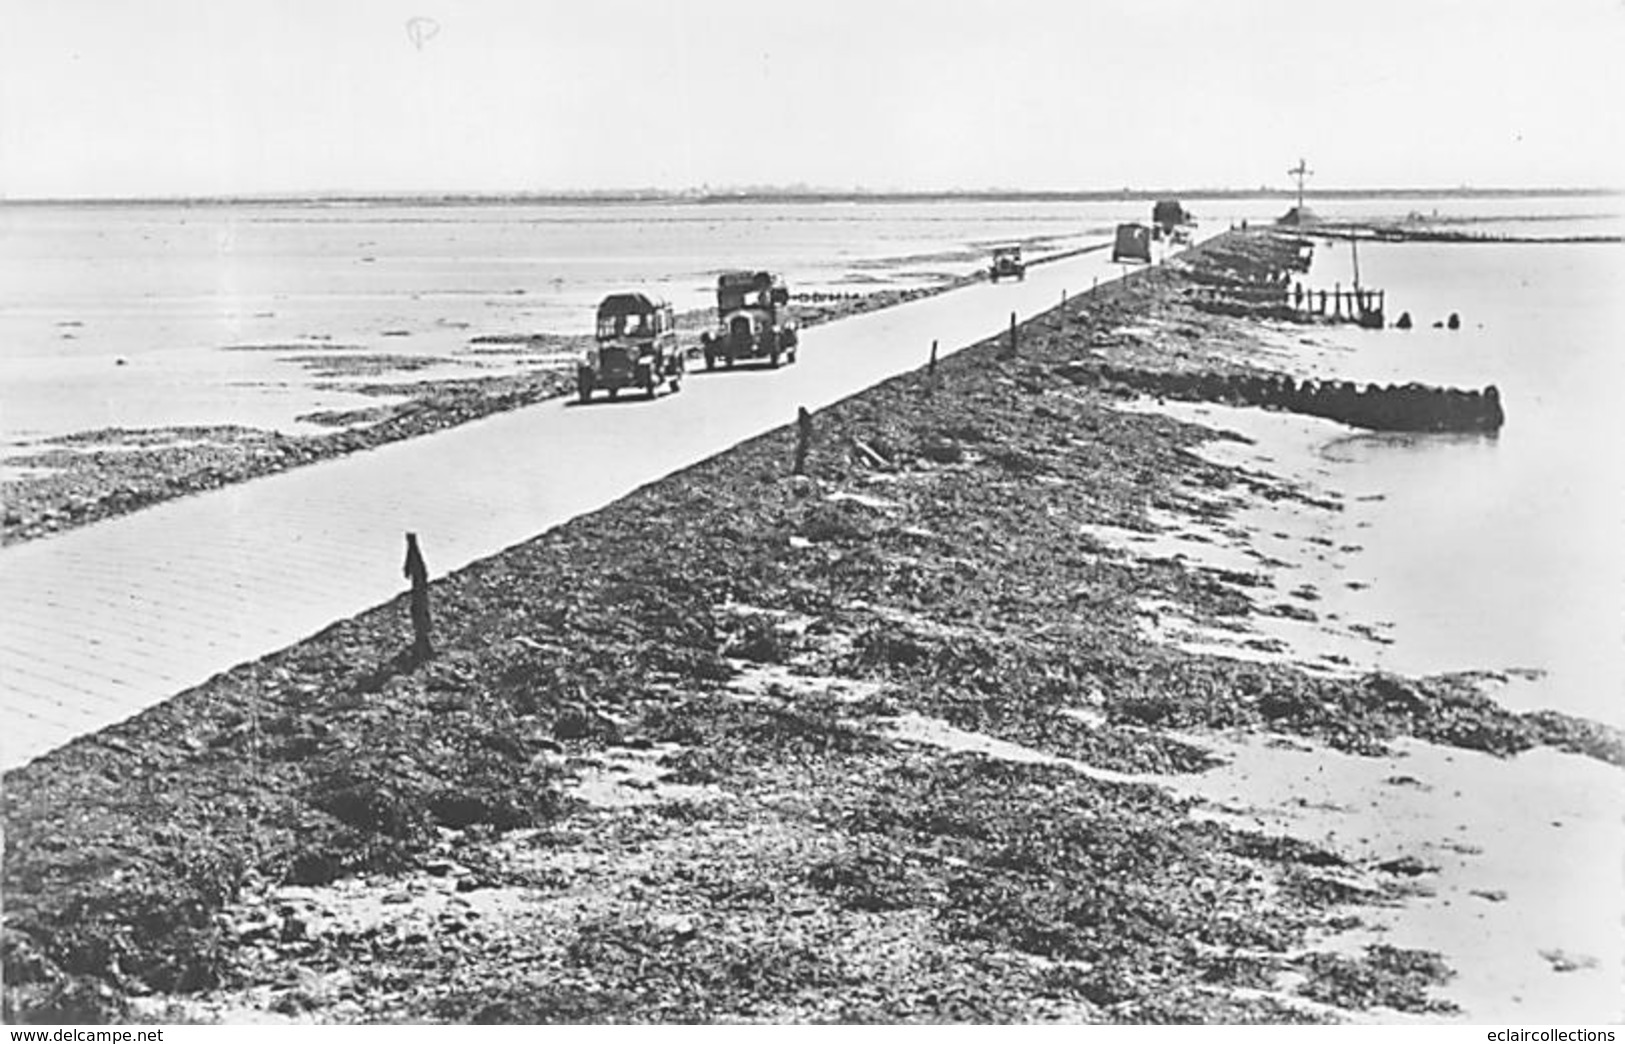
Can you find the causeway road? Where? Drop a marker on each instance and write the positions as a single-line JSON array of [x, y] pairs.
[[102, 622]]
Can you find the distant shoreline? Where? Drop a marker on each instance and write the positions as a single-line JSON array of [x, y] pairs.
[[620, 197]]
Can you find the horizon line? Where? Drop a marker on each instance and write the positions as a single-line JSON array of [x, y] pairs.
[[798, 194]]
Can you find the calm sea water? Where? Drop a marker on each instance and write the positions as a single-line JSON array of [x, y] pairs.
[[1489, 552]]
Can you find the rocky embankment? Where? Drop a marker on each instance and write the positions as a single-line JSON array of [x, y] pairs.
[[881, 742]]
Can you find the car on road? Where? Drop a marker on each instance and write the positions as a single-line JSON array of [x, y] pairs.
[[1007, 264], [753, 321], [634, 346], [1168, 218], [1133, 243]]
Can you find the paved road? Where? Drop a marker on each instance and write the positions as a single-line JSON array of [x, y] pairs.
[[105, 621]]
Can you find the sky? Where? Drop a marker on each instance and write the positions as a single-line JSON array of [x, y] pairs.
[[104, 98]]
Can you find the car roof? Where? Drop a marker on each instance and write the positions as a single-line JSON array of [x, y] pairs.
[[630, 304], [740, 277]]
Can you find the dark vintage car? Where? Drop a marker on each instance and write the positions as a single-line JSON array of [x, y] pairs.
[[1007, 264], [752, 321], [1133, 243], [635, 347]]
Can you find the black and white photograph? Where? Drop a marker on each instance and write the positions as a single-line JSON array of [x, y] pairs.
[[979, 512]]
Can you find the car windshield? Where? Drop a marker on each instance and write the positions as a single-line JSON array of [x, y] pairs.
[[623, 325], [732, 298]]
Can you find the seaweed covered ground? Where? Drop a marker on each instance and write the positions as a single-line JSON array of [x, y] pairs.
[[885, 741]]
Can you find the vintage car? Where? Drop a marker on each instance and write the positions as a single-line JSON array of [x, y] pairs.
[[1133, 243], [635, 347], [752, 321], [1007, 263]]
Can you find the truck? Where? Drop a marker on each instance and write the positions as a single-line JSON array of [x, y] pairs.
[[1007, 263], [752, 321], [634, 346]]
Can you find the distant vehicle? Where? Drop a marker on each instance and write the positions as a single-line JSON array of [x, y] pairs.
[[1007, 263], [1169, 218], [635, 346], [752, 321], [1133, 243]]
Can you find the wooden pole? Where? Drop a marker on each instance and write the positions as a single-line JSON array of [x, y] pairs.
[[803, 438], [415, 571]]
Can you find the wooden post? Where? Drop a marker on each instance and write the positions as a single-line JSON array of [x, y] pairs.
[[931, 367], [1337, 300], [415, 571], [1014, 345], [803, 438]]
